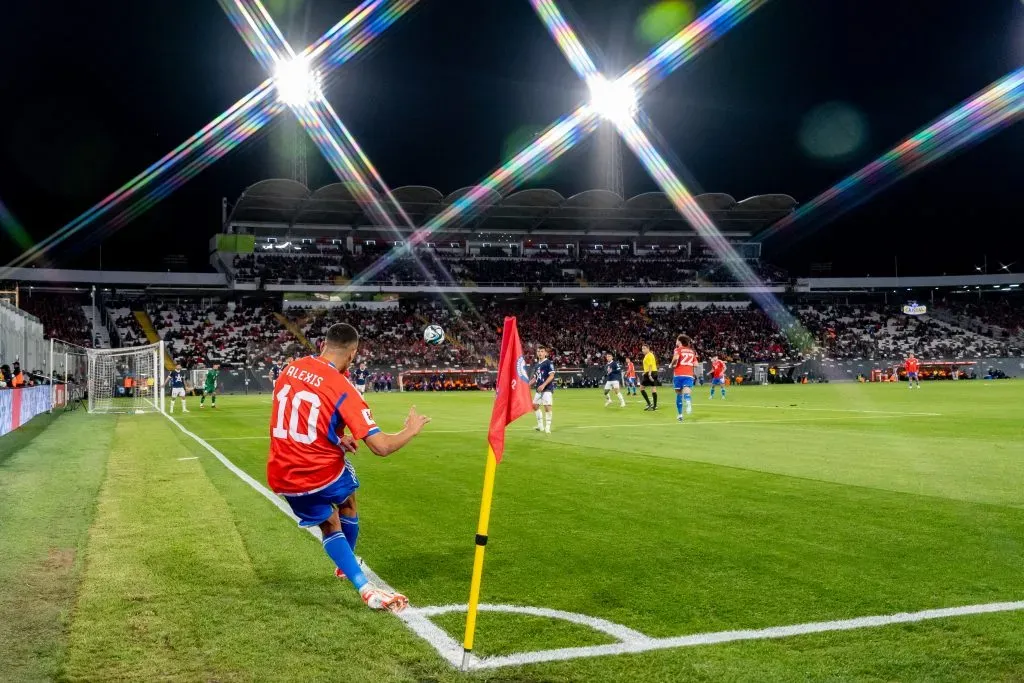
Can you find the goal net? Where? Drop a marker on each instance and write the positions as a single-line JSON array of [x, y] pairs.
[[126, 380], [447, 379], [68, 372]]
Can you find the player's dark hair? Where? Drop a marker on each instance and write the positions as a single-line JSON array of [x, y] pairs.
[[684, 340], [341, 335]]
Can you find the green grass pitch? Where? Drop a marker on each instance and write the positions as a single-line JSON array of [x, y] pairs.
[[129, 552]]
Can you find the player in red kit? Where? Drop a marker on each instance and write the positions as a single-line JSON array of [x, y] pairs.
[[684, 360], [630, 377], [314, 405], [912, 366], [717, 375]]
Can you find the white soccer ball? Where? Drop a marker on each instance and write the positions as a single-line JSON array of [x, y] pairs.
[[433, 334]]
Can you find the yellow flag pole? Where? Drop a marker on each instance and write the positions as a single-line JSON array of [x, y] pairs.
[[478, 557]]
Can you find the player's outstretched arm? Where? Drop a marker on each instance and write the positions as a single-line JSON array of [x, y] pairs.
[[385, 444]]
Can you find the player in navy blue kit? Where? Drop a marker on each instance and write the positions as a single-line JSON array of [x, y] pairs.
[[544, 387], [275, 371], [361, 375], [613, 381], [176, 378]]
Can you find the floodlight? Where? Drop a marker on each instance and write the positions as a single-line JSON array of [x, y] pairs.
[[615, 101], [297, 84]]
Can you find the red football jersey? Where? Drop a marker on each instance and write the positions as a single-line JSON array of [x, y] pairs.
[[630, 370], [685, 358], [718, 369], [313, 405], [912, 365]]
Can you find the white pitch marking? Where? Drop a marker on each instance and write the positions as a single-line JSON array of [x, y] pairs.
[[618, 631], [195, 458], [237, 438], [648, 644], [417, 623]]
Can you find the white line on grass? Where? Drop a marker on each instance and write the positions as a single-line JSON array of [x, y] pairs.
[[238, 438], [417, 623], [617, 631], [643, 643], [180, 459]]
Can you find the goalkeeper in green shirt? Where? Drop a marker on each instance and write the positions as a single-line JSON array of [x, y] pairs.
[[210, 386]]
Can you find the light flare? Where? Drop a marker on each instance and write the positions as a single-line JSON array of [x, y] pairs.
[[689, 42], [566, 38], [297, 84], [997, 106], [683, 201], [243, 119], [617, 101], [614, 101], [13, 228], [298, 88], [558, 139], [570, 130]]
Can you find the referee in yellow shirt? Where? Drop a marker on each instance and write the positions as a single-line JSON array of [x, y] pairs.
[[650, 377]]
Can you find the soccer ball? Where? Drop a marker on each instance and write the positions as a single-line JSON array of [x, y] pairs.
[[433, 334]]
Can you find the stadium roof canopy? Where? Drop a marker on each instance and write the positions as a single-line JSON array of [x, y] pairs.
[[275, 204]]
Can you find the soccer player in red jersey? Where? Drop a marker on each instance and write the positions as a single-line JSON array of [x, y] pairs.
[[684, 359], [717, 375], [314, 403], [630, 377], [912, 366]]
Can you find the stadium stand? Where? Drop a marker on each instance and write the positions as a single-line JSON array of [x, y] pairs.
[[62, 316], [229, 333], [128, 328], [317, 267], [873, 331], [1001, 318], [531, 237], [578, 333], [578, 330]]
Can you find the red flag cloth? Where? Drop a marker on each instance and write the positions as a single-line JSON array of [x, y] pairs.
[[512, 400]]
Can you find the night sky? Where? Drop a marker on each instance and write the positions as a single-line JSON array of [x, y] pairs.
[[94, 92]]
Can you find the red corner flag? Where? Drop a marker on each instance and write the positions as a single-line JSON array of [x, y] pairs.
[[513, 398]]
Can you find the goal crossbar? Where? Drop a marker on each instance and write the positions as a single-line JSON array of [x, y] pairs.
[[126, 380]]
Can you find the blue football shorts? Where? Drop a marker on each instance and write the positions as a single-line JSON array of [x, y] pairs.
[[911, 375], [717, 380], [682, 382], [312, 509]]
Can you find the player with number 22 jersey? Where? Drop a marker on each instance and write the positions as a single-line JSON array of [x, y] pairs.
[[684, 359]]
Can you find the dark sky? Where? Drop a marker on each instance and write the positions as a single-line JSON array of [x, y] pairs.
[[94, 92]]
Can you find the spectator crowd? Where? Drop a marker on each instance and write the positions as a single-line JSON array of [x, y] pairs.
[[62, 317], [431, 267]]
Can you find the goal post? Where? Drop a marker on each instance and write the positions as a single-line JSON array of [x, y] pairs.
[[126, 380], [68, 370]]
